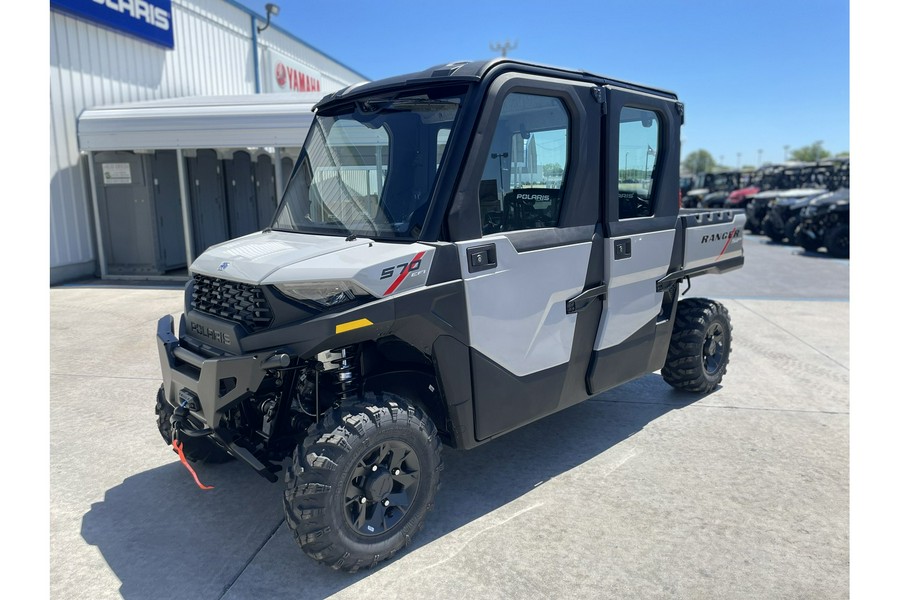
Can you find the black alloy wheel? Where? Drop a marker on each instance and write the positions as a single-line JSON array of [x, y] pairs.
[[382, 488], [714, 348]]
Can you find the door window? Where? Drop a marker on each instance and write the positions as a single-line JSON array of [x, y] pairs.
[[639, 142], [523, 177]]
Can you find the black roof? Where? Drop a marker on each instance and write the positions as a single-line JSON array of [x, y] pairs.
[[475, 71]]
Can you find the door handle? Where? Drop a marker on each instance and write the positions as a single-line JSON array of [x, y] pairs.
[[481, 258], [584, 299], [622, 249]]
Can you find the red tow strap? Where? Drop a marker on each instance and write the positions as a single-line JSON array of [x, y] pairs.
[[179, 448]]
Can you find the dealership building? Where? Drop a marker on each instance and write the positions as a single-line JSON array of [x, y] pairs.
[[174, 124]]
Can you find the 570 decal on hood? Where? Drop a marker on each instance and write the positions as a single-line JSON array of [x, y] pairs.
[[412, 268]]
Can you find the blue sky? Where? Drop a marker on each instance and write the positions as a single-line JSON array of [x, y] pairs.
[[753, 75]]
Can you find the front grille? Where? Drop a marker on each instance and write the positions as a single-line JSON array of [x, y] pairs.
[[233, 301]]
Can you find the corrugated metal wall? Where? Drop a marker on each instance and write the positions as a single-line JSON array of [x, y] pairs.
[[334, 75], [92, 66]]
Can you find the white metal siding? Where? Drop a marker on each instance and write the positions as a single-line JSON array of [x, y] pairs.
[[92, 66], [334, 75]]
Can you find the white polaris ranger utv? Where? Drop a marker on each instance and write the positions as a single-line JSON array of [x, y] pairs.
[[458, 253]]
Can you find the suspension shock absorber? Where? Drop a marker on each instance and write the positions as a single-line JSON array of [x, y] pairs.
[[343, 363]]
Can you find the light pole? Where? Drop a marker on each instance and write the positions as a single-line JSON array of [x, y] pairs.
[[271, 10], [759, 157], [785, 152], [500, 156], [739, 161]]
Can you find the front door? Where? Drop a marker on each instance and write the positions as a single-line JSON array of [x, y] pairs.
[[531, 187]]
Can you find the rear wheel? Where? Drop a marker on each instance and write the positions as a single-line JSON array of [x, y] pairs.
[[361, 484], [837, 241], [700, 346], [808, 243], [200, 450]]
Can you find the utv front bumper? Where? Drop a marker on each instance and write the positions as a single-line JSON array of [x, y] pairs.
[[208, 387]]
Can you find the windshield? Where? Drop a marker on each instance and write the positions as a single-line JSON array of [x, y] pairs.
[[369, 169]]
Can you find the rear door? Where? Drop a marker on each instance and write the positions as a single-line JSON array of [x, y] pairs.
[[640, 201], [525, 217]]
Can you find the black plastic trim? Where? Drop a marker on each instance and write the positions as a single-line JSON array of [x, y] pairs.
[[642, 353], [717, 267], [641, 225], [584, 299], [444, 265], [550, 237], [504, 401], [454, 374]]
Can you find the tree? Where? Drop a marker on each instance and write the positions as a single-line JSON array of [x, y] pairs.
[[699, 161], [553, 170], [810, 153]]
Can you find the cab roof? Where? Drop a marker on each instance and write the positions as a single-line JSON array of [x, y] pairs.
[[475, 72]]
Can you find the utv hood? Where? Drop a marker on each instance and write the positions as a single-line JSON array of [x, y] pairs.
[[254, 257], [276, 257]]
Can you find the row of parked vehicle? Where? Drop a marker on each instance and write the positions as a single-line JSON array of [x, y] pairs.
[[803, 204]]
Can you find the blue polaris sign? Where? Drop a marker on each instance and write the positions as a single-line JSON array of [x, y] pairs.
[[149, 20]]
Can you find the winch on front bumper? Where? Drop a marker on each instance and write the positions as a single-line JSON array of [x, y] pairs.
[[209, 387]]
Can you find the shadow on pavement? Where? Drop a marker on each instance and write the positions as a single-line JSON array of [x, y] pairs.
[[161, 535]]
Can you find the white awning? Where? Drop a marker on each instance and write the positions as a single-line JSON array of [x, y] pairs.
[[257, 120]]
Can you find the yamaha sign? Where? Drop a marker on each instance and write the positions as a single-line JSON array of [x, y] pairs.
[[149, 20], [285, 75]]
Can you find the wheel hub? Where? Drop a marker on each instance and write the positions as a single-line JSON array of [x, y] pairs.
[[382, 488], [378, 485], [713, 348]]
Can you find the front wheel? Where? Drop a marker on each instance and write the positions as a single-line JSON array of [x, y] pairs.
[[790, 230], [837, 241], [810, 243], [700, 346], [360, 485]]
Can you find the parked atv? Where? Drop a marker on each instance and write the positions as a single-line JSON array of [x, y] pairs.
[[740, 198], [757, 207], [825, 221], [783, 214], [712, 189]]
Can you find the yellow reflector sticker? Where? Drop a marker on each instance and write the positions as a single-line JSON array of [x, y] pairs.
[[352, 325]]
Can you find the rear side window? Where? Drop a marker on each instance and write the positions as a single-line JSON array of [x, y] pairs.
[[523, 177], [639, 142]]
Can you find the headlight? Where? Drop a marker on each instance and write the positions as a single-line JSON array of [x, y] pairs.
[[323, 293]]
